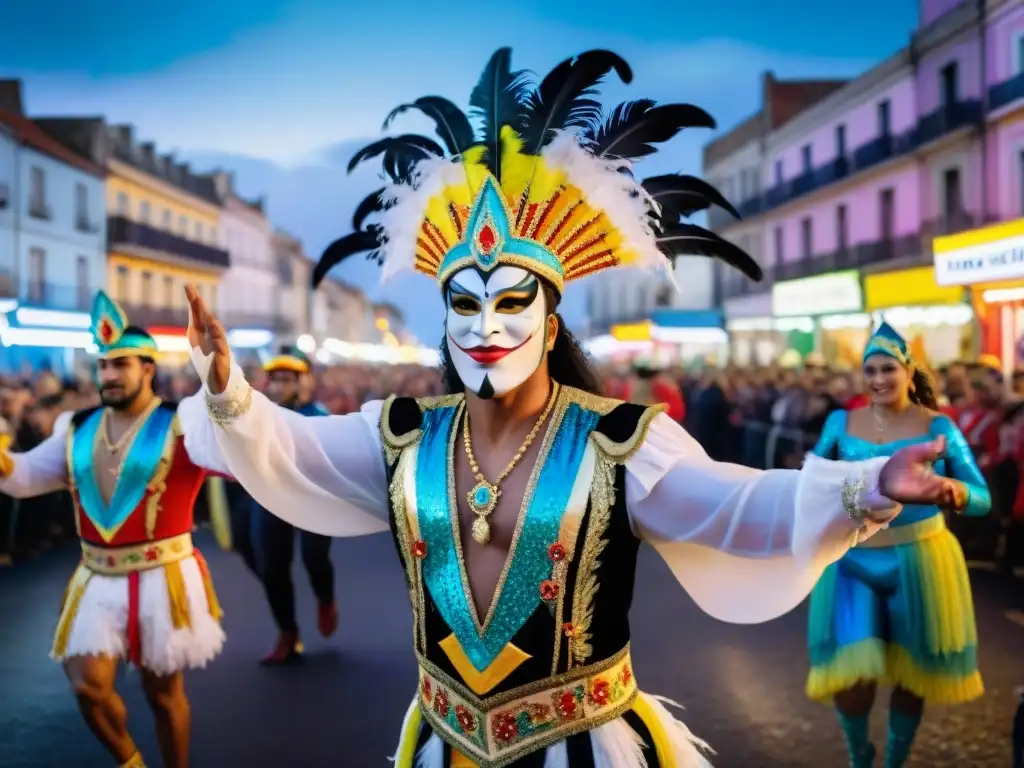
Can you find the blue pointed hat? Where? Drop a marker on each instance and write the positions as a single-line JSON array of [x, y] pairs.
[[887, 341], [113, 335]]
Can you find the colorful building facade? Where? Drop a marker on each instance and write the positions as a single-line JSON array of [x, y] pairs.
[[859, 186]]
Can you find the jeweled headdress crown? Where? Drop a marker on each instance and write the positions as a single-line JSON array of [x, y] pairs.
[[112, 334], [543, 182]]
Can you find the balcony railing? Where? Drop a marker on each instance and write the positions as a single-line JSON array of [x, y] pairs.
[[1006, 92], [148, 316], [946, 119], [126, 234]]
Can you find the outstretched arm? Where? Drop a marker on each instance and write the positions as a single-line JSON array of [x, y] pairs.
[[42, 470], [748, 545], [323, 474]]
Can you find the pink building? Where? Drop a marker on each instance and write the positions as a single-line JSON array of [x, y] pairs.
[[855, 188]]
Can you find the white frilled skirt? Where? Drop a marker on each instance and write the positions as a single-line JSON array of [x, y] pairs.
[[167, 621], [615, 744]]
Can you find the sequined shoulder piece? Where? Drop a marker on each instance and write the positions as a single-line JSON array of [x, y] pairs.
[[401, 419], [623, 428]]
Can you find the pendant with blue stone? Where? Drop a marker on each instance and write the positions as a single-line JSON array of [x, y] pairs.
[[482, 500]]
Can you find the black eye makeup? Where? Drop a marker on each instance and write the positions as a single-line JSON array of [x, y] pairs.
[[464, 304]]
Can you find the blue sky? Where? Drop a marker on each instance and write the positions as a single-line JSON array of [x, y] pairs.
[[271, 87]]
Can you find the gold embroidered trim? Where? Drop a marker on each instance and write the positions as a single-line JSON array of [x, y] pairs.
[[406, 534], [602, 499], [225, 412], [120, 561], [487, 730], [158, 483], [626, 450]]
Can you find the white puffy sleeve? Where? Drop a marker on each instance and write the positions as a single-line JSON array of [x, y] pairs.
[[44, 469], [746, 544], [324, 474]]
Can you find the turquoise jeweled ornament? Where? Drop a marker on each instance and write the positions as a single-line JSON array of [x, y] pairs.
[[482, 499]]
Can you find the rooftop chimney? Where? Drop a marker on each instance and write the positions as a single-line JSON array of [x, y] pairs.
[[10, 96]]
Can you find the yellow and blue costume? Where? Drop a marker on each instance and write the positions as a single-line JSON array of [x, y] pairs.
[[897, 609]]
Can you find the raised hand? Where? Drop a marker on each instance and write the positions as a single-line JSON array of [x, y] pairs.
[[908, 477], [207, 334]]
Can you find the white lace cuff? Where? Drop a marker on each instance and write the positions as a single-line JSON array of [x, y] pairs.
[[234, 401]]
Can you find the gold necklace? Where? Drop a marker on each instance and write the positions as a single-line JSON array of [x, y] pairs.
[[128, 433], [483, 497]]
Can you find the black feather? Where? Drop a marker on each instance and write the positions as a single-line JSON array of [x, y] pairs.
[[634, 127], [682, 196], [497, 100], [400, 153], [691, 240], [565, 97], [366, 240], [371, 204], [450, 122]]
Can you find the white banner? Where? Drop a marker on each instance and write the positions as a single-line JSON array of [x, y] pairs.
[[833, 294], [985, 263]]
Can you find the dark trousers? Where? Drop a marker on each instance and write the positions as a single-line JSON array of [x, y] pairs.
[[276, 543], [243, 514]]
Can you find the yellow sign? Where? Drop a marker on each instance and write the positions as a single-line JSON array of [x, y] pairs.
[[908, 288], [632, 331]]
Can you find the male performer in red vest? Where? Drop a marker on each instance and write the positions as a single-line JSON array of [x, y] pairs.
[[141, 593]]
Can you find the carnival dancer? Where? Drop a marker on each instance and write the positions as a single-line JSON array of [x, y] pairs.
[[897, 610], [142, 592], [518, 501], [288, 374]]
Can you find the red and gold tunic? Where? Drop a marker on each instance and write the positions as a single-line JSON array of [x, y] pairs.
[[145, 524]]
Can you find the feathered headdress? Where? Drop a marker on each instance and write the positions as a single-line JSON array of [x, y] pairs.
[[112, 334], [888, 341], [543, 182]]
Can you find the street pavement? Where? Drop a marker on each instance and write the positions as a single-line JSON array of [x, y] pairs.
[[742, 686]]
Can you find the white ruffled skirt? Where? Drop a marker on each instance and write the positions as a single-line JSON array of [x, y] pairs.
[[173, 623], [615, 744]]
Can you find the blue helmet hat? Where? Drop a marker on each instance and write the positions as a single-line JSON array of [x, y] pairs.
[[114, 336], [887, 341]]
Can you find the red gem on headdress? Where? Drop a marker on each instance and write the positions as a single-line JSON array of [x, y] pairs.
[[106, 331], [487, 238]]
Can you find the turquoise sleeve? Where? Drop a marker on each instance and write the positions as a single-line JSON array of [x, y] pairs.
[[960, 465], [828, 442]]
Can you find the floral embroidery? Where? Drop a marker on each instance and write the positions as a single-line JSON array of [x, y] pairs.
[[600, 692], [548, 590], [441, 702], [556, 552], [465, 719], [152, 554], [419, 548], [505, 727], [568, 629], [426, 689]]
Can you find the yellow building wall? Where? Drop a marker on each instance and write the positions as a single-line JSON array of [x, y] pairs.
[[128, 192]]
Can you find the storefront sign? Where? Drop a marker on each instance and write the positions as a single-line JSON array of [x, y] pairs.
[[908, 288], [981, 256], [822, 295], [632, 331]]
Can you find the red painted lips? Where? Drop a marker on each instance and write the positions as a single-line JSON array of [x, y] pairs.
[[490, 355]]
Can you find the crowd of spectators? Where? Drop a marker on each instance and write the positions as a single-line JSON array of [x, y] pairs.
[[766, 418]]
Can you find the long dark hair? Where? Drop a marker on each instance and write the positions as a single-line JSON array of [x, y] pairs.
[[567, 362], [923, 389]]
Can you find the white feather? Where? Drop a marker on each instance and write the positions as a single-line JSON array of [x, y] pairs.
[[689, 750], [432, 753], [616, 745], [618, 195], [408, 204], [557, 756]]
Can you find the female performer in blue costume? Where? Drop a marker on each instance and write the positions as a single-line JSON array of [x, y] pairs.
[[897, 609]]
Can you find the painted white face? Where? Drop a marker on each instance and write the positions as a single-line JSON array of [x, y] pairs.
[[496, 327]]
